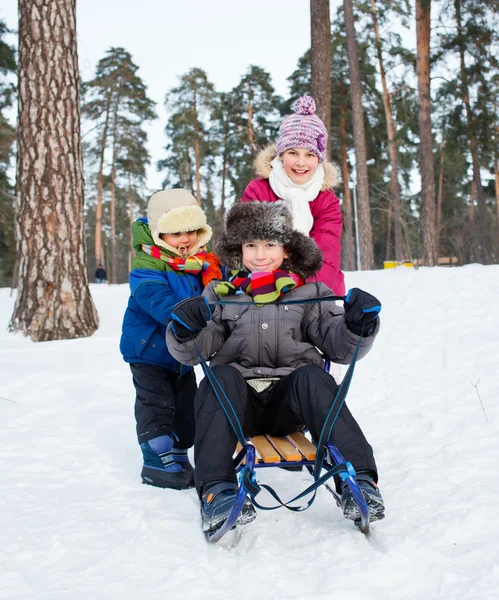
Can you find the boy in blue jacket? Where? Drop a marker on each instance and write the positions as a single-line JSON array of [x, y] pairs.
[[171, 264]]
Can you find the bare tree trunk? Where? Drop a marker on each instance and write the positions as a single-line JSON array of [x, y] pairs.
[[423, 11], [389, 219], [321, 62], [484, 225], [348, 245], [53, 300], [496, 163], [113, 191], [197, 153], [251, 130], [400, 251], [363, 207], [99, 249], [440, 194], [130, 210]]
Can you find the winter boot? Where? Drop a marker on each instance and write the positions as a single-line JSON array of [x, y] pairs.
[[372, 495], [162, 466], [217, 501]]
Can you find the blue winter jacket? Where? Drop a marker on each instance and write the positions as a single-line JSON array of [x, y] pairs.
[[155, 289]]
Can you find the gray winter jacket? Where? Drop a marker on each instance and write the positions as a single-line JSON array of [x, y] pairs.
[[274, 339]]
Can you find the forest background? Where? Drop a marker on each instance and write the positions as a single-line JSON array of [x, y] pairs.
[[212, 131]]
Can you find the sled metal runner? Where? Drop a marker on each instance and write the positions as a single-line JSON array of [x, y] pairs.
[[246, 461]]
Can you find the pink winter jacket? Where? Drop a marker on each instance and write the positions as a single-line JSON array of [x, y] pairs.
[[325, 209]]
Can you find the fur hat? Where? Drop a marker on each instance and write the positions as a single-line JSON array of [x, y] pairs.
[[253, 221], [173, 211], [304, 129]]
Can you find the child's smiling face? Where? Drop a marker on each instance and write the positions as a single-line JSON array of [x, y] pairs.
[[182, 241], [300, 164], [263, 255]]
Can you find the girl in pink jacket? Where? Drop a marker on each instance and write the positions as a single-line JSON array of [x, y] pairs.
[[296, 171]]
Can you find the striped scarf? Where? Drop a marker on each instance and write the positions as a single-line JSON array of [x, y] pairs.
[[262, 287], [192, 264]]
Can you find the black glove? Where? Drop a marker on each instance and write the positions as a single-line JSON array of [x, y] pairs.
[[190, 316], [361, 308]]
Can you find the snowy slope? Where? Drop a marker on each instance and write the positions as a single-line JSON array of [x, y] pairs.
[[76, 523]]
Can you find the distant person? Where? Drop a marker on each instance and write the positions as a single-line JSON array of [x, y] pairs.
[[171, 264], [296, 171], [268, 358], [100, 274]]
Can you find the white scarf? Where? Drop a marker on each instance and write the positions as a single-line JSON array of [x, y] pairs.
[[296, 196]]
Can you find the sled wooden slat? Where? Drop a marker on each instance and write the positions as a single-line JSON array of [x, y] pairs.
[[304, 445], [286, 449], [265, 449]]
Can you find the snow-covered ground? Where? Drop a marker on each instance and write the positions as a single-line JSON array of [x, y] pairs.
[[76, 523]]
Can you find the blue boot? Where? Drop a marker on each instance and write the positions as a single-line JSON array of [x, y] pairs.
[[217, 501], [166, 466], [372, 495]]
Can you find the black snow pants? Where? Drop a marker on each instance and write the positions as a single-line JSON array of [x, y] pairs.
[[164, 403], [303, 397]]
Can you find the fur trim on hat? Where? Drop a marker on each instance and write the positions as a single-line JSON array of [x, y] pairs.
[[253, 221], [262, 164], [174, 211]]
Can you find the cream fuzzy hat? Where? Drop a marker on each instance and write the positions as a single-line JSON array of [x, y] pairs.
[[173, 211]]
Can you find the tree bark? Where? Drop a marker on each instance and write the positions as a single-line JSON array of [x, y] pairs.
[[113, 190], [321, 63], [363, 207], [480, 194], [400, 251], [348, 245], [423, 11], [99, 248], [53, 300]]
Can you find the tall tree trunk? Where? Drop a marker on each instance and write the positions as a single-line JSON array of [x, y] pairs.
[[251, 129], [389, 219], [423, 11], [321, 62], [496, 162], [400, 251], [348, 245], [484, 224], [363, 207], [113, 190], [440, 193], [131, 219], [197, 152], [53, 300], [99, 248]]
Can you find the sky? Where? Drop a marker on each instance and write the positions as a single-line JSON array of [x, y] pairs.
[[166, 38], [77, 524]]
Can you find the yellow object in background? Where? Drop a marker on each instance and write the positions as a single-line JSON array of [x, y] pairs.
[[391, 264]]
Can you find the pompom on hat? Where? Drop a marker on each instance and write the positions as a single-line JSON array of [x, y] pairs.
[[304, 129]]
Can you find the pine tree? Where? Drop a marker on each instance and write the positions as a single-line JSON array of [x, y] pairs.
[[53, 300], [190, 106], [117, 100], [255, 110]]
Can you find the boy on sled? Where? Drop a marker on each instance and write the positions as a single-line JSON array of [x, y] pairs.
[[266, 355]]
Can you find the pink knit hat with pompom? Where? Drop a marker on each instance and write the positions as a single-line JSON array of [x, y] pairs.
[[304, 129]]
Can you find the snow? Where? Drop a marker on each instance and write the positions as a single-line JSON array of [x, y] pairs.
[[77, 523]]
